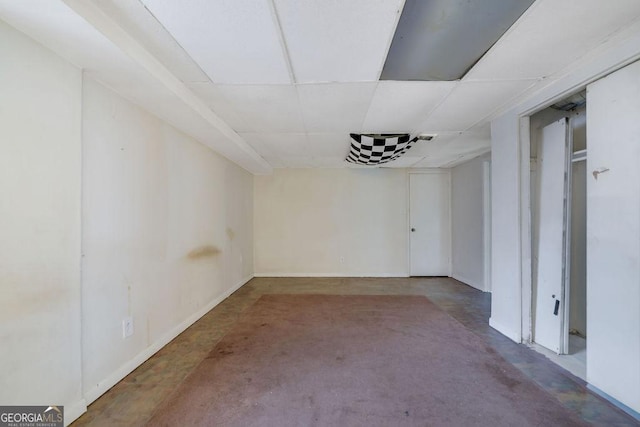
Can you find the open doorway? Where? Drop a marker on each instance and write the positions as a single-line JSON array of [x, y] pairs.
[[558, 232]]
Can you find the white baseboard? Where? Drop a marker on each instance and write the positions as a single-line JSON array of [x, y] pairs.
[[72, 412], [467, 281], [629, 410], [104, 385], [508, 332], [388, 275]]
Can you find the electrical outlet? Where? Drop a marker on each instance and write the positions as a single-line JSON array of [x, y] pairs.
[[127, 327]]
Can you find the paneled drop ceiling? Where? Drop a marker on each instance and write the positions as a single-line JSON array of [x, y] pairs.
[[281, 83]]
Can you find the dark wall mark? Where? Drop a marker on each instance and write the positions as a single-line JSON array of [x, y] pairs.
[[204, 252]]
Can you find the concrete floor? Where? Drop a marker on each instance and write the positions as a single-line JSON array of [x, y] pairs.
[[574, 362], [132, 401]]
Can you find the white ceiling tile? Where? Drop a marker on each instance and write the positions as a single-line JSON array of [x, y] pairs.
[[338, 41], [263, 108], [430, 148], [329, 162], [335, 107], [355, 166], [429, 162], [464, 148], [472, 141], [295, 162], [233, 41], [449, 160], [401, 106], [471, 102], [451, 146], [463, 159], [329, 145], [551, 35], [405, 161], [280, 145], [288, 144], [444, 141], [481, 129]]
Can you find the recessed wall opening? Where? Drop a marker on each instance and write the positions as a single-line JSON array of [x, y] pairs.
[[558, 153]]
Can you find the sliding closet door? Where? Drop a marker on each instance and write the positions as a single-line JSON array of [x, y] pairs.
[[613, 235], [554, 152]]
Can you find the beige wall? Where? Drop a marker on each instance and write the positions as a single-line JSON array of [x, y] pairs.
[[331, 222], [105, 212], [39, 225], [167, 233]]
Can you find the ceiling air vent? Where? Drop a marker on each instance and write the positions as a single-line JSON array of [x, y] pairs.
[[426, 136]]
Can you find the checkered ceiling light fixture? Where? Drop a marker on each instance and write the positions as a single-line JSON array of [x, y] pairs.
[[377, 149]]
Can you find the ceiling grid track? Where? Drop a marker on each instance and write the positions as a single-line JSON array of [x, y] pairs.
[[435, 107], [177, 43], [505, 36], [364, 118], [283, 41], [391, 35]]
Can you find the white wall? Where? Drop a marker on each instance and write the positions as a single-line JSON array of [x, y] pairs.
[[331, 222], [506, 300], [467, 223], [167, 234], [39, 226]]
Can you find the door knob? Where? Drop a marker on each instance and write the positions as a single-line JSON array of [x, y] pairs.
[[413, 229]]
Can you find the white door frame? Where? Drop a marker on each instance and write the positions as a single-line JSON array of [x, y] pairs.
[[526, 239], [486, 223], [408, 205]]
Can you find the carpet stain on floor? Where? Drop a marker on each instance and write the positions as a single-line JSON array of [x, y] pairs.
[[501, 376]]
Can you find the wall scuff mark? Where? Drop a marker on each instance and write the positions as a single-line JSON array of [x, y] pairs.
[[203, 252], [230, 233]]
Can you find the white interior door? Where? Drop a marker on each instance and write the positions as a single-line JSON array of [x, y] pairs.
[[430, 223], [613, 235], [554, 160]]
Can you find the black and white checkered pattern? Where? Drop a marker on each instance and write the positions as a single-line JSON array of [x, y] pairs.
[[369, 149]]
